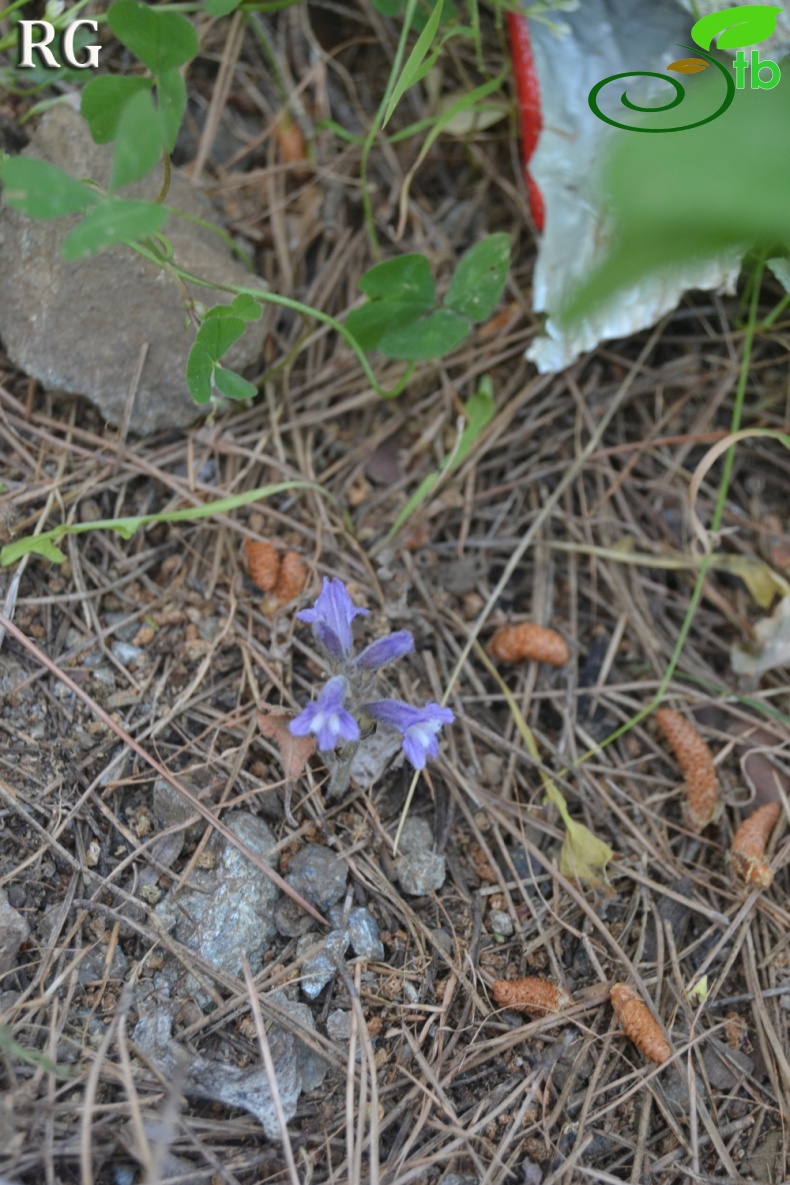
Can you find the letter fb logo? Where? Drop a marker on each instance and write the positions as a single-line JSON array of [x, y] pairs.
[[733, 28]]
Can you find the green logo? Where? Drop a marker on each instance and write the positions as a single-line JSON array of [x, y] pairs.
[[735, 27]]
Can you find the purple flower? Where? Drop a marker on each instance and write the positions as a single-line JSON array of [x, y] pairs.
[[331, 618], [327, 719], [419, 726], [385, 650]]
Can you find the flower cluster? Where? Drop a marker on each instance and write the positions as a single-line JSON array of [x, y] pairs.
[[344, 709]]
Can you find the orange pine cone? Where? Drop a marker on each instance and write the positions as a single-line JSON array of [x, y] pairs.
[[639, 1024], [694, 758], [749, 843], [515, 643], [292, 578], [263, 562], [540, 997]]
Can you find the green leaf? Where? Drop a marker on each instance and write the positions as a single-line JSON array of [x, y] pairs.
[[171, 94], [116, 220], [433, 337], [40, 190], [389, 7], [232, 385], [406, 278], [679, 198], [161, 40], [413, 69], [479, 279], [376, 319], [745, 24], [125, 527], [479, 413], [217, 334], [220, 7], [103, 101], [138, 141], [246, 307], [200, 369]]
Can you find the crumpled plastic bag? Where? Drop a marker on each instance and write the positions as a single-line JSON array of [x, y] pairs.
[[597, 39]]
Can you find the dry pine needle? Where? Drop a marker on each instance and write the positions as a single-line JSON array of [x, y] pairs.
[[747, 854], [639, 1024], [539, 997], [517, 643], [695, 760]]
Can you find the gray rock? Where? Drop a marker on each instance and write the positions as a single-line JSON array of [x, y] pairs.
[[374, 757], [170, 807], [227, 912], [338, 1025], [363, 933], [416, 836], [312, 1067], [79, 327], [318, 969], [14, 930], [217, 1081], [419, 870], [318, 874], [501, 922], [93, 967]]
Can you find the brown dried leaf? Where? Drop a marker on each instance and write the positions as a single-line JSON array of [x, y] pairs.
[[539, 997], [694, 758], [515, 643], [294, 751], [688, 65], [639, 1024]]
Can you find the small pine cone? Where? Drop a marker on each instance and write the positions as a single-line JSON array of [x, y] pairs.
[[639, 1024], [539, 997], [515, 643], [694, 758], [749, 843], [263, 562], [292, 578]]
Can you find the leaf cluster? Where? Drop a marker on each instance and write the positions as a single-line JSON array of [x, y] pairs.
[[403, 318]]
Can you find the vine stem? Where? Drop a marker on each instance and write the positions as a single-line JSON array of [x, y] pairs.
[[154, 256]]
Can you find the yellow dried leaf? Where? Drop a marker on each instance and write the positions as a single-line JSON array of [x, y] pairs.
[[583, 856], [688, 65], [762, 582]]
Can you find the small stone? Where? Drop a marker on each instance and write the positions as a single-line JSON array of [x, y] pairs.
[[14, 930], [416, 836], [338, 1025], [421, 872], [226, 913], [500, 922], [363, 933], [317, 874], [126, 653], [318, 969], [311, 1066], [151, 894], [171, 807]]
